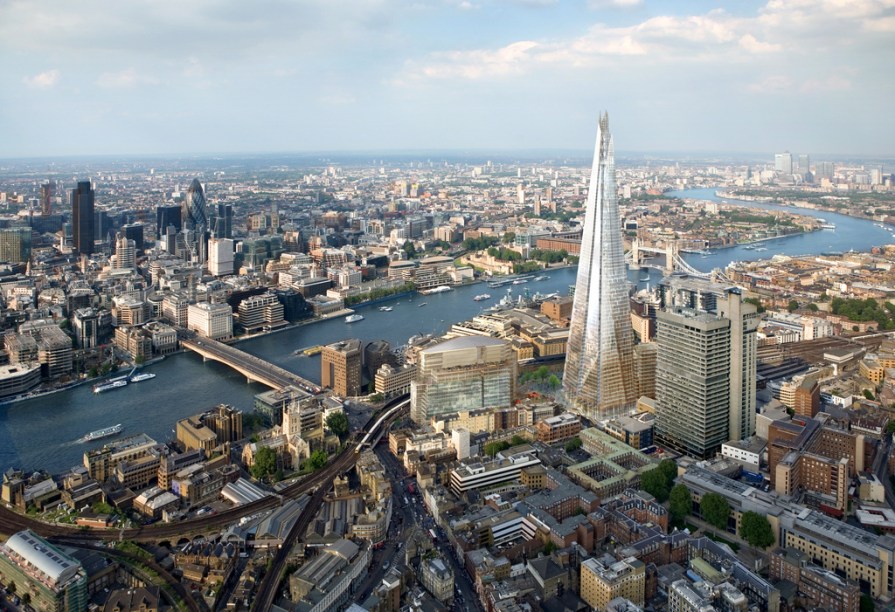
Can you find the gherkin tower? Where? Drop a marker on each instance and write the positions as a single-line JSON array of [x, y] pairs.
[[598, 380]]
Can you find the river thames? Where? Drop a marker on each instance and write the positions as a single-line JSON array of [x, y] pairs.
[[43, 432]]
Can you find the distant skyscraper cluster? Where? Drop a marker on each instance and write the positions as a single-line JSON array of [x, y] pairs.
[[598, 380]]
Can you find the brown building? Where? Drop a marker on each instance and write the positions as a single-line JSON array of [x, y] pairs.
[[340, 367], [558, 428], [817, 588], [807, 398], [569, 245], [558, 308], [221, 424], [804, 454]]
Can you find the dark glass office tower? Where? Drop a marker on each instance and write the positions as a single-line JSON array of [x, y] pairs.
[[82, 218], [165, 216]]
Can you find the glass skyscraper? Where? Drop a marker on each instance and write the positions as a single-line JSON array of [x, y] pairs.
[[195, 221], [598, 380]]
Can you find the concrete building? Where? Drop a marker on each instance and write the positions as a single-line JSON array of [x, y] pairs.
[[706, 366], [602, 581], [340, 367], [438, 579], [213, 321]]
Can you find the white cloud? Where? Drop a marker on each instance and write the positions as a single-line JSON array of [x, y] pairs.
[[828, 84], [771, 84], [753, 45], [598, 4], [43, 80], [126, 78], [480, 64]]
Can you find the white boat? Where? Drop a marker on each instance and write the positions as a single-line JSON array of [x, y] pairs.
[[541, 277], [481, 297], [439, 289], [114, 384], [103, 433], [141, 377], [423, 304], [829, 226], [354, 318], [520, 281], [385, 309]]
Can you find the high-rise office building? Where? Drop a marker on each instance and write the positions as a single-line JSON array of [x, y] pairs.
[[194, 215], [783, 162], [598, 380], [165, 216], [340, 367], [705, 367], [47, 193], [82, 218], [221, 221], [134, 231], [125, 253], [220, 256], [15, 244]]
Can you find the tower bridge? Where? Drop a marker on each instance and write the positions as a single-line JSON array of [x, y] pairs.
[[669, 248]]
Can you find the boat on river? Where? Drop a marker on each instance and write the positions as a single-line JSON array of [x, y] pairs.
[[103, 433]]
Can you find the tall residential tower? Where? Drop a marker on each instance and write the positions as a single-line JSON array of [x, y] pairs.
[[598, 380]]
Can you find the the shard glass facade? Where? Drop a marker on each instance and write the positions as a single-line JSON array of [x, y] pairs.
[[598, 380]]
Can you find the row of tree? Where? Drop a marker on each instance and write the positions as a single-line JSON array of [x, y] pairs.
[[754, 527]]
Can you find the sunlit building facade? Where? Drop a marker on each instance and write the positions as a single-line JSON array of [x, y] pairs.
[[598, 380], [463, 375]]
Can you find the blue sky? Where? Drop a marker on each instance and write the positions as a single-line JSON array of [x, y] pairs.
[[191, 76]]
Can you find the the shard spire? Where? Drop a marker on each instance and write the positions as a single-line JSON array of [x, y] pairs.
[[598, 380]]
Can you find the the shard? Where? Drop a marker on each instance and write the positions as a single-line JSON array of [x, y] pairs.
[[598, 380]]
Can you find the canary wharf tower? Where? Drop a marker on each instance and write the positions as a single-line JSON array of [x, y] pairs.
[[598, 379]]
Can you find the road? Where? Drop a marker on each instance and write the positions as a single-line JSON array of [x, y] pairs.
[[415, 515]]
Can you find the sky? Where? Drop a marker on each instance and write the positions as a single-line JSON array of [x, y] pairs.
[[96, 77]]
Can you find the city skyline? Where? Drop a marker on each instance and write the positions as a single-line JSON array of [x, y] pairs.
[[598, 379], [487, 75]]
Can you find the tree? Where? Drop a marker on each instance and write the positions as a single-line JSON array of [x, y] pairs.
[[679, 503], [756, 302], [868, 394], [792, 306], [573, 444], [26, 599], [755, 529], [890, 427], [317, 460], [715, 510], [517, 440], [812, 307], [12, 587], [509, 237], [376, 398], [337, 423], [409, 249], [265, 463], [553, 382], [669, 469], [492, 448], [867, 604], [654, 483]]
